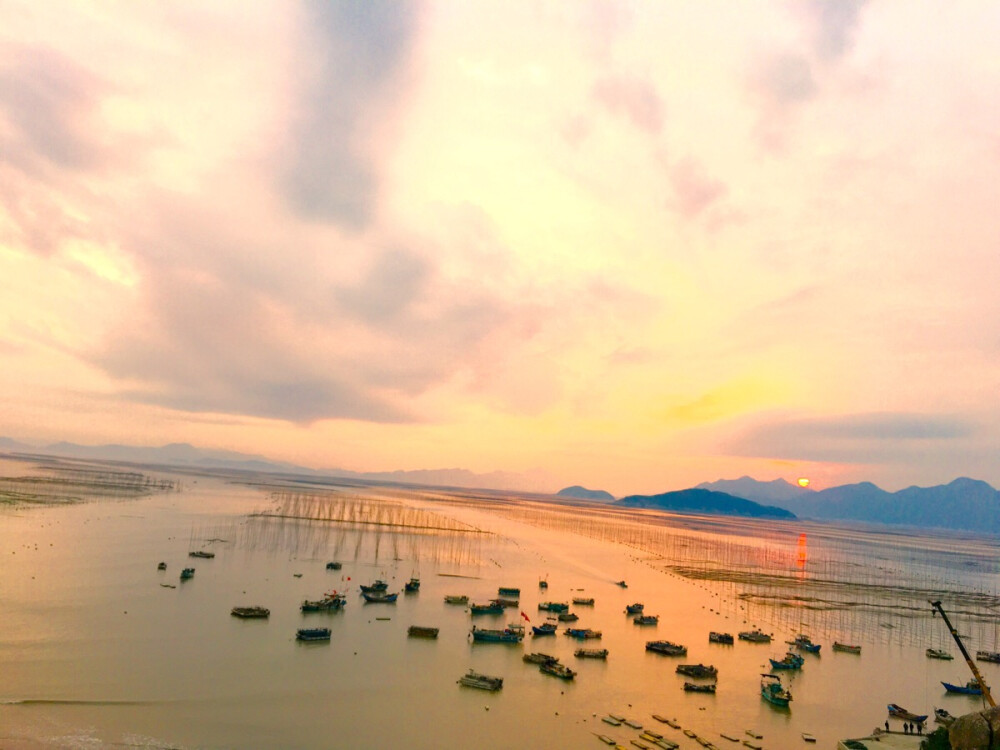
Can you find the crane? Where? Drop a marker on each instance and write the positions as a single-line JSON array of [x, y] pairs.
[[968, 659]]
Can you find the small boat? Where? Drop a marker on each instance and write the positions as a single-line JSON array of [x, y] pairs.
[[333, 566], [538, 658], [202, 553], [804, 643], [991, 656], [412, 586], [969, 688], [697, 670], [328, 603], [547, 628], [509, 591], [505, 603], [898, 712], [250, 612], [666, 647], [755, 636], [672, 723], [663, 720], [622, 584], [312, 634], [542, 583], [612, 721], [554, 607], [724, 638], [583, 601], [846, 648], [753, 745], [568, 617], [556, 669], [456, 599], [582, 633], [632, 723], [419, 631], [790, 661], [646, 619], [379, 597], [641, 745], [754, 734], [773, 691], [650, 735], [513, 633], [808, 737], [690, 733], [481, 681], [161, 566], [187, 573], [168, 585], [691, 687], [373, 587], [486, 609], [937, 653], [606, 740], [729, 737], [591, 653], [941, 716], [634, 609]]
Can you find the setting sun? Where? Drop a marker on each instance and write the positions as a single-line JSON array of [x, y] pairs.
[[803, 482]]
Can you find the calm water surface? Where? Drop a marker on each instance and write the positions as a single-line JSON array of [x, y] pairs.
[[95, 652]]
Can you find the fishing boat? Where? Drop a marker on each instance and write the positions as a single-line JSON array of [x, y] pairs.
[[898, 712], [202, 553], [328, 603], [568, 617], [634, 609], [666, 647], [697, 670], [808, 737], [941, 716], [412, 586], [646, 619], [509, 591], [556, 669], [379, 597], [790, 661], [513, 633], [583, 601], [554, 606], [481, 681], [622, 584], [420, 631], [312, 634], [937, 653], [378, 585], [542, 583], [804, 643], [991, 656], [591, 653], [333, 566], [845, 647], [692, 687], [506, 603], [250, 612], [773, 691], [547, 628], [755, 636], [161, 566], [582, 633], [456, 599], [969, 688], [187, 573], [724, 638], [486, 609], [612, 721], [538, 658]]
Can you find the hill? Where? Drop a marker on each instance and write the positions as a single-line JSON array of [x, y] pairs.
[[582, 493], [704, 501]]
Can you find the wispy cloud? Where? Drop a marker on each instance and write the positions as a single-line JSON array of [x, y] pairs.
[[633, 98]]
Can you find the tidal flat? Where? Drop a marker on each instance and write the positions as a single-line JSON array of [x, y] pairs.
[[99, 648]]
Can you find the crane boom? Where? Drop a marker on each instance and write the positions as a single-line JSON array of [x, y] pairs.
[[968, 659]]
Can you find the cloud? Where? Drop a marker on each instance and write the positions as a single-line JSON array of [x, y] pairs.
[[833, 25], [784, 80], [633, 98], [694, 190]]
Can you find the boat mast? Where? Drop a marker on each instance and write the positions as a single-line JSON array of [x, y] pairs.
[[968, 659]]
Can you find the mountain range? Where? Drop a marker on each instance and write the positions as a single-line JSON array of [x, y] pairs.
[[700, 500]]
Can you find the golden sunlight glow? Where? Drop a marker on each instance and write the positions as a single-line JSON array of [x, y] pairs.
[[105, 262], [803, 482]]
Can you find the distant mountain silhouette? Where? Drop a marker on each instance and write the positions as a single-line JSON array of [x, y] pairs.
[[704, 501], [582, 493], [760, 492]]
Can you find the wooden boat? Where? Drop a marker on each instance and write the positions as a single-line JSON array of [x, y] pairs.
[[808, 737], [333, 566], [969, 688], [412, 586], [941, 716], [898, 712], [312, 634], [606, 740], [554, 607], [673, 723], [666, 647], [481, 681], [650, 735], [773, 691], [622, 584], [697, 670], [755, 636], [729, 737], [509, 591], [692, 687], [556, 669], [937, 653], [582, 633], [646, 619], [250, 612], [486, 609], [690, 733], [538, 658], [378, 585], [591, 653], [547, 628], [419, 631], [664, 720], [583, 601], [568, 617], [161, 566], [505, 603], [328, 603], [640, 744], [753, 745], [724, 638], [991, 656], [456, 599], [612, 721], [632, 723], [791, 661], [187, 573], [202, 553], [755, 735], [513, 633], [634, 609], [379, 597], [804, 643], [847, 648]]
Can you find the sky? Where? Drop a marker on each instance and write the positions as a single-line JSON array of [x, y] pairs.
[[633, 246]]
